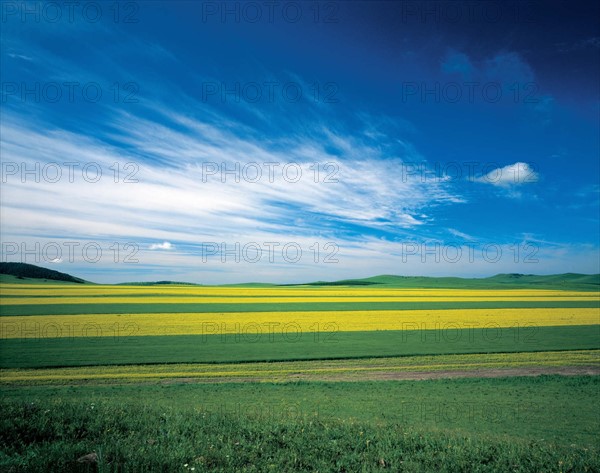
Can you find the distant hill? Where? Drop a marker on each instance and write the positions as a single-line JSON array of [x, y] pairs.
[[166, 283], [566, 281], [25, 271], [158, 283]]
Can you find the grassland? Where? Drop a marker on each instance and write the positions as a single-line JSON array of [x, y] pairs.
[[512, 424], [86, 351], [309, 378]]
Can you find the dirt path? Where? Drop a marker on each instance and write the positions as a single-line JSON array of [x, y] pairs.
[[401, 375], [494, 373]]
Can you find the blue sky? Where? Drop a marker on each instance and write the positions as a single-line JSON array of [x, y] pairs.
[[432, 139]]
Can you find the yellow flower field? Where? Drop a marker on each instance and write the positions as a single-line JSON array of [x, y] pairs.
[[273, 300], [289, 323], [7, 290]]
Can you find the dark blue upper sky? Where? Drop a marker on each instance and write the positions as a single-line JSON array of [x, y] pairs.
[[445, 124]]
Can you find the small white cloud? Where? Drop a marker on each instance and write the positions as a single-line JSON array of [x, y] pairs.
[[20, 56], [512, 175], [161, 246], [56, 260], [460, 234]]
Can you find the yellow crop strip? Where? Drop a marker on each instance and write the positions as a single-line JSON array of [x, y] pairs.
[[288, 323], [269, 300], [7, 290]]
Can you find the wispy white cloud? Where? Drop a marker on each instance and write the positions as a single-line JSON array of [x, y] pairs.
[[516, 174], [172, 198], [161, 246], [460, 234], [176, 198], [505, 67], [20, 56]]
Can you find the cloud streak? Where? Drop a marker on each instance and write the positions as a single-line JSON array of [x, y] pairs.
[[512, 175]]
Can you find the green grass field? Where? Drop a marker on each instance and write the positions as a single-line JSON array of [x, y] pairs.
[[74, 309], [544, 424], [506, 394], [79, 351], [351, 369]]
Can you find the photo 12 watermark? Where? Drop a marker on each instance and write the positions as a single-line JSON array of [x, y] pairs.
[[268, 332], [289, 252], [470, 92], [68, 172], [55, 252], [71, 92], [271, 12], [271, 172], [264, 411], [470, 171], [469, 252], [30, 330], [269, 92], [69, 12], [469, 333], [433, 12], [452, 412]]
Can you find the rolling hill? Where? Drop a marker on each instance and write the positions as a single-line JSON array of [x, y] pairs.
[[567, 281], [24, 272]]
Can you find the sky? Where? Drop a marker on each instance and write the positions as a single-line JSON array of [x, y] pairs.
[[287, 142]]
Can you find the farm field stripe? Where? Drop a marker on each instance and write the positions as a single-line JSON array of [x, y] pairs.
[[140, 308], [123, 350], [274, 372], [7, 301], [113, 325], [48, 290]]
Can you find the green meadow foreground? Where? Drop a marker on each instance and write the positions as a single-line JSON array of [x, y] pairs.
[[309, 378], [548, 423]]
